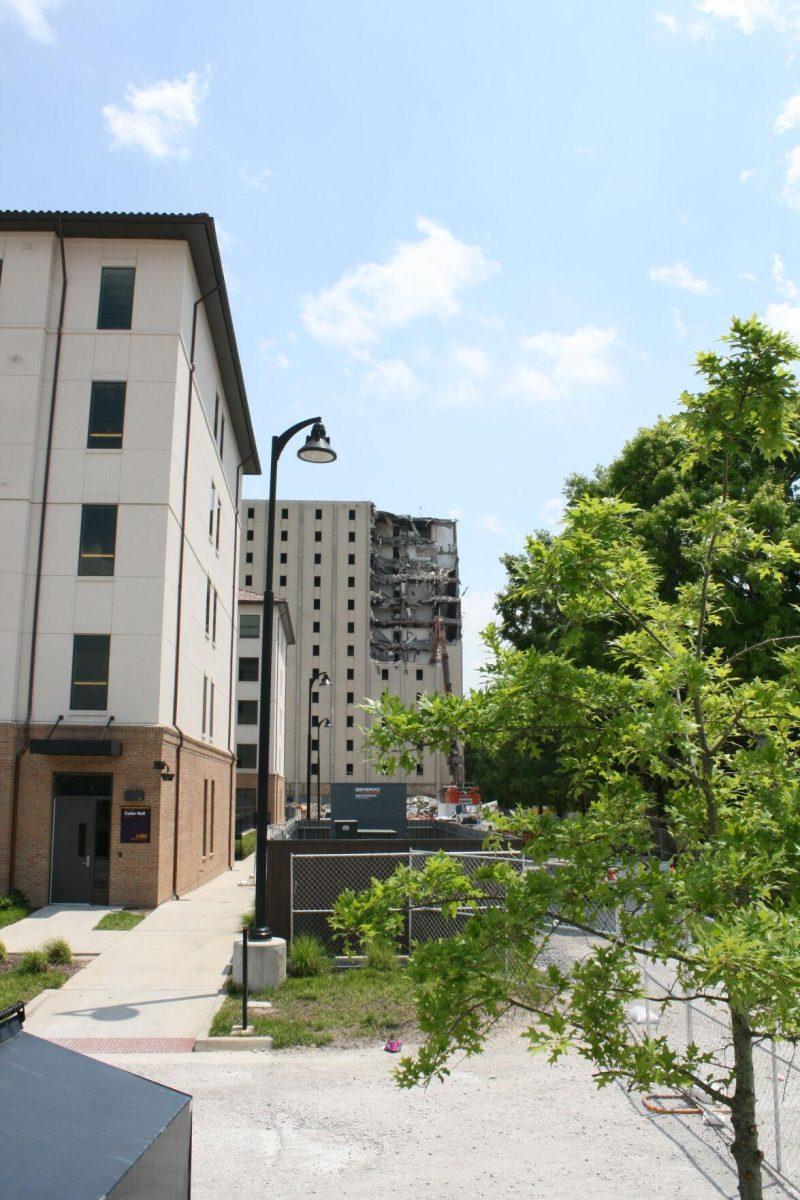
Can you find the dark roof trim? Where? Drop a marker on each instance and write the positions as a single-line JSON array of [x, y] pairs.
[[198, 230]]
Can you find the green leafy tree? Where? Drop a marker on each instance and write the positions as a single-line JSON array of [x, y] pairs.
[[669, 716]]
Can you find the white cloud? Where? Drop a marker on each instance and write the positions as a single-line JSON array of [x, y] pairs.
[[469, 360], [477, 610], [492, 524], [391, 377], [254, 176], [33, 16], [283, 361], [421, 279], [563, 364], [551, 514], [785, 317], [666, 21], [746, 175], [747, 277], [155, 118], [750, 15], [790, 193], [785, 286], [789, 116], [680, 276]]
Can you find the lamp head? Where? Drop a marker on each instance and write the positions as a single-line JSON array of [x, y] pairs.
[[325, 724], [323, 680], [317, 448]]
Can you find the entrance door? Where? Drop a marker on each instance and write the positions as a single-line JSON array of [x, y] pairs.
[[80, 839]]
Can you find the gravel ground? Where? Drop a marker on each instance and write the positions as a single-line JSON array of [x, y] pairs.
[[331, 1123]]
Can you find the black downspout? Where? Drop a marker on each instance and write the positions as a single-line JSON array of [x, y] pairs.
[[179, 597], [39, 557], [234, 611]]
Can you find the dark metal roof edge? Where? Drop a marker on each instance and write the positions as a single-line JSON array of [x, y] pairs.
[[180, 226]]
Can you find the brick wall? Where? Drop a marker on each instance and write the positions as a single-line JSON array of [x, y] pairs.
[[139, 874]]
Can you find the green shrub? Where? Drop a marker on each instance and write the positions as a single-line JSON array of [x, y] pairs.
[[380, 954], [33, 962], [57, 950], [14, 899], [308, 956], [3, 953], [249, 918], [246, 844]]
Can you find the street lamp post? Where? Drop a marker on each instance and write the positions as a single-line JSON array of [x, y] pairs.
[[321, 680], [326, 724], [316, 449]]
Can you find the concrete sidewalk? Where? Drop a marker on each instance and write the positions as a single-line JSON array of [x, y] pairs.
[[74, 922], [160, 981]]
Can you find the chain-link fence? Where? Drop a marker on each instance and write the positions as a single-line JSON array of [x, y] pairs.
[[317, 880]]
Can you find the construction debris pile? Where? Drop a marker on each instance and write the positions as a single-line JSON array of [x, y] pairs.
[[414, 580]]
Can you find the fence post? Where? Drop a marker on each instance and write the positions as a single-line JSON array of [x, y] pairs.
[[291, 899], [776, 1106], [245, 982], [410, 906]]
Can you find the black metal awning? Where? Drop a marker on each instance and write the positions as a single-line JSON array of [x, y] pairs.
[[77, 747]]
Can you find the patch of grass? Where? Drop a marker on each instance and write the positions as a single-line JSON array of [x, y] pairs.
[[308, 957], [120, 920], [341, 1008], [18, 985], [57, 951], [33, 962], [3, 953], [381, 954], [13, 907], [246, 844]]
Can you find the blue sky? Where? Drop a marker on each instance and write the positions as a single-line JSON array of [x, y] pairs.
[[483, 239]]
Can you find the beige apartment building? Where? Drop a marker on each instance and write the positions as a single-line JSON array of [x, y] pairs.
[[363, 587]]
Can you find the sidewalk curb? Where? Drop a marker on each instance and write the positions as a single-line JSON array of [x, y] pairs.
[[204, 1045]]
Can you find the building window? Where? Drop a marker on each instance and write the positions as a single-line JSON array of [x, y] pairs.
[[317, 559], [352, 514], [212, 508], [249, 625], [211, 821], [106, 415], [350, 722], [315, 743], [284, 558], [316, 603], [216, 414], [351, 673], [351, 697], [317, 535], [247, 712], [317, 581], [315, 695], [248, 581], [248, 558], [211, 709], [351, 537], [246, 756], [351, 581], [284, 514], [420, 673], [315, 651], [204, 717], [251, 512], [351, 605], [214, 620], [221, 441], [314, 721], [248, 670], [419, 768], [315, 627], [351, 628], [348, 769], [219, 522], [90, 655], [284, 535], [205, 817], [314, 769], [281, 581], [249, 535], [318, 514], [351, 651], [98, 539], [384, 673], [349, 745], [116, 298], [208, 605], [351, 560]]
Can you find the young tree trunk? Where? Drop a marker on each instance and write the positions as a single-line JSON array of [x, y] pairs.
[[743, 1111]]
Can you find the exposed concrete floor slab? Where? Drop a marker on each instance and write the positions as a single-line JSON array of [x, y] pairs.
[[286, 1125], [162, 979], [74, 922]]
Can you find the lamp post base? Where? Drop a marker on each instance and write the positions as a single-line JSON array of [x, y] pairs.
[[266, 963]]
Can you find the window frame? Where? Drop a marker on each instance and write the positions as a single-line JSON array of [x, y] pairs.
[[106, 274], [83, 638], [98, 386], [86, 555]]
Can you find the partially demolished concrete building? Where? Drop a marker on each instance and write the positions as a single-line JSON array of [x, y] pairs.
[[368, 591]]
